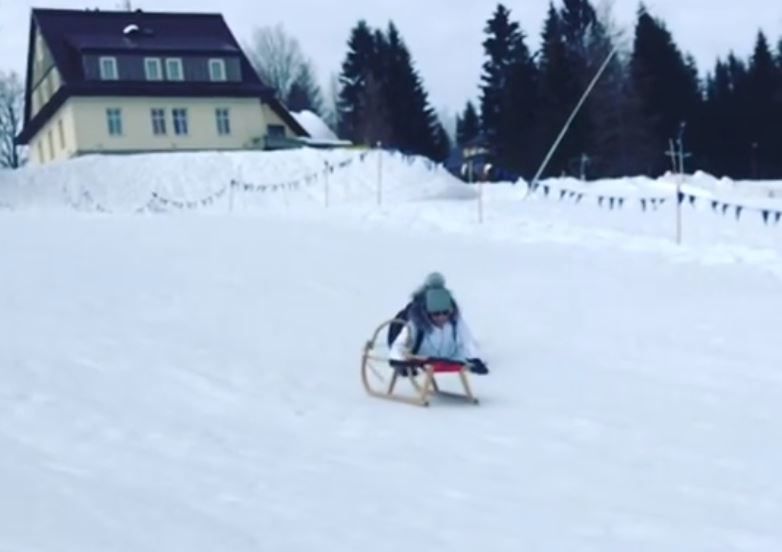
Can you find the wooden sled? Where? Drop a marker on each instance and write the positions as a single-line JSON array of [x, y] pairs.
[[375, 360]]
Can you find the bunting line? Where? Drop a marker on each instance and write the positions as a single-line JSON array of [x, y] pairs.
[[769, 215]]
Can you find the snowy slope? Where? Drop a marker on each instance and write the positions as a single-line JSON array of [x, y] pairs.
[[191, 382]]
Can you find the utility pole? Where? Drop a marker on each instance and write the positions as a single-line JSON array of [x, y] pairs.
[[534, 183], [585, 161]]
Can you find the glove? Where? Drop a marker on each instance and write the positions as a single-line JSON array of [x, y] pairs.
[[476, 366]]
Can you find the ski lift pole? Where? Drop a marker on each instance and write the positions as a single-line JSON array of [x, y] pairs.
[[534, 184], [379, 173]]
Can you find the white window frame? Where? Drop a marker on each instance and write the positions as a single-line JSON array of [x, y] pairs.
[[223, 121], [150, 62], [217, 70], [114, 124], [106, 62], [174, 62], [161, 120], [183, 126]]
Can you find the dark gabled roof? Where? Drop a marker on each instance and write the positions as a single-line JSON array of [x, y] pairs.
[[70, 34]]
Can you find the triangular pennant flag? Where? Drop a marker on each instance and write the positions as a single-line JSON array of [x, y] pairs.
[[777, 217], [680, 196], [643, 204], [611, 203], [562, 194], [600, 201], [545, 191], [739, 208], [766, 213], [714, 205], [662, 201], [725, 207], [579, 197], [621, 201], [692, 200]]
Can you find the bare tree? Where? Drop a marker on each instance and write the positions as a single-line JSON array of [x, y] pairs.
[[305, 93], [11, 106], [278, 59], [330, 110]]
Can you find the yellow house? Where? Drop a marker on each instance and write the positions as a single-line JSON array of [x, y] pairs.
[[128, 82]]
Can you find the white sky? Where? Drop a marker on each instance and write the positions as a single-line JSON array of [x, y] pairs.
[[445, 40]]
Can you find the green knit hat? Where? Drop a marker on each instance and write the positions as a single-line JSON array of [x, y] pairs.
[[438, 299]]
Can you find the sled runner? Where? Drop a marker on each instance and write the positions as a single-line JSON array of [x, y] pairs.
[[375, 363]]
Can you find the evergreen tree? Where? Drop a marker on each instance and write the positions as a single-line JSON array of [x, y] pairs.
[[667, 84], [762, 113], [558, 91], [509, 98], [582, 41], [468, 125], [354, 79], [382, 98], [416, 127], [578, 17], [617, 141]]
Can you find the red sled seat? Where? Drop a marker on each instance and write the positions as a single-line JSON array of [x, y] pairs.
[[446, 367]]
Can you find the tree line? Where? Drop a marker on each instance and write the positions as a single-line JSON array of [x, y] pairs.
[[650, 93]]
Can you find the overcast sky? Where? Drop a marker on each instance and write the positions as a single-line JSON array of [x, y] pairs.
[[444, 36]]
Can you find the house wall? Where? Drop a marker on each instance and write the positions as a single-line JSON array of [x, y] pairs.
[[56, 141], [46, 78], [85, 127]]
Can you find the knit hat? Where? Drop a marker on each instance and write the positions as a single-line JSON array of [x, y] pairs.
[[438, 299], [434, 280]]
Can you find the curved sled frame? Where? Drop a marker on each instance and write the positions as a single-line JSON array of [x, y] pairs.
[[423, 390]]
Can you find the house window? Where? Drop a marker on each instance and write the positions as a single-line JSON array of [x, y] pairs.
[[217, 70], [158, 121], [114, 121], [108, 68], [61, 133], [174, 69], [49, 84], [180, 121], [223, 121], [276, 131], [153, 69]]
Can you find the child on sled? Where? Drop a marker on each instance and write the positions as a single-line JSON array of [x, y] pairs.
[[433, 329]]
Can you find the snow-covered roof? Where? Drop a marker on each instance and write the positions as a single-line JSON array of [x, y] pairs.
[[314, 125]]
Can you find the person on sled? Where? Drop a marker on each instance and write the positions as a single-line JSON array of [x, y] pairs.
[[434, 328]]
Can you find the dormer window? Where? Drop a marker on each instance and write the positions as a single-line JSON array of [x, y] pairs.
[[174, 69], [153, 69], [217, 70], [108, 68]]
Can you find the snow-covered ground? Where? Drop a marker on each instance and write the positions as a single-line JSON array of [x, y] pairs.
[[179, 360]]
